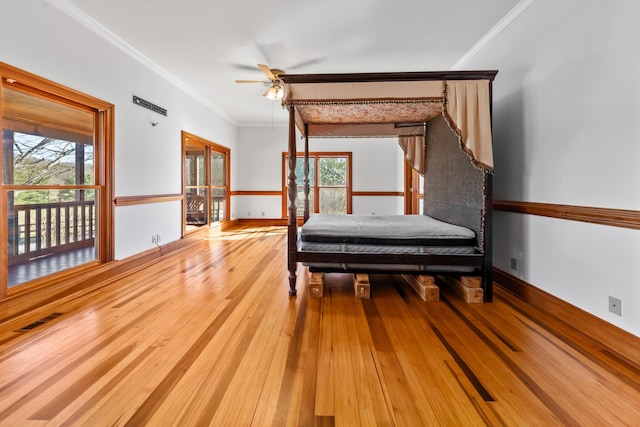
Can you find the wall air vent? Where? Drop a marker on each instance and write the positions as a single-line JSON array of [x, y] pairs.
[[148, 105]]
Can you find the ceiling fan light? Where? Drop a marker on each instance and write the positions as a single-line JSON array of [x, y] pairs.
[[271, 93], [274, 93]]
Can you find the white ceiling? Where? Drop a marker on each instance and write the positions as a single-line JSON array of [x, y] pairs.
[[205, 45]]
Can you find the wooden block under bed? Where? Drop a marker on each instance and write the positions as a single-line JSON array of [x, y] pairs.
[[471, 281], [425, 286], [316, 284], [361, 285], [466, 287]]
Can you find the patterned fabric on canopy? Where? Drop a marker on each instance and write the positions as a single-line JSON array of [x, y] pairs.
[[379, 105]]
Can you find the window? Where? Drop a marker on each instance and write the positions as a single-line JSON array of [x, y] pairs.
[[329, 183], [206, 182], [55, 194]]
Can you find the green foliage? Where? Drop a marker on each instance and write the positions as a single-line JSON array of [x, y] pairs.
[[32, 197], [300, 172], [333, 171], [332, 175]]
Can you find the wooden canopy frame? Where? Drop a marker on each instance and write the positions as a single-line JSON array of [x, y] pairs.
[[322, 92]]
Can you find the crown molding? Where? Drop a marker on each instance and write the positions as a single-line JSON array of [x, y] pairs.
[[513, 16], [101, 31]]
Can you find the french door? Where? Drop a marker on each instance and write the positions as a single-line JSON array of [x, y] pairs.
[[206, 182]]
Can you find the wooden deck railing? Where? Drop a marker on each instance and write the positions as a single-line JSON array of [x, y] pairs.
[[217, 208], [42, 229]]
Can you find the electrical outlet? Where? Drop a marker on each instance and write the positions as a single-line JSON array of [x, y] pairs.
[[615, 305], [514, 264], [154, 239], [262, 213]]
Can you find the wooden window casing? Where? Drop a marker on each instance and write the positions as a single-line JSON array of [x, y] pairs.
[[103, 140]]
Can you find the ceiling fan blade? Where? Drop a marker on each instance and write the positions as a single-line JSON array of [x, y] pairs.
[[244, 67], [308, 62], [267, 71], [254, 81]]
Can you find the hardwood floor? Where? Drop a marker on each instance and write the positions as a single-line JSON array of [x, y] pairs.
[[209, 336]]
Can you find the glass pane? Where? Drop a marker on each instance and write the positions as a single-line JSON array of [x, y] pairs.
[[217, 169], [49, 231], [218, 204], [196, 206], [194, 166], [333, 171], [300, 172], [44, 142], [43, 161], [333, 200], [300, 202]]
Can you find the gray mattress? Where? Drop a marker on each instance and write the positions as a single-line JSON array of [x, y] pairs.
[[385, 230], [397, 234]]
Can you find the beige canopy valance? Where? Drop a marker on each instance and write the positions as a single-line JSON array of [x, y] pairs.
[[395, 105]]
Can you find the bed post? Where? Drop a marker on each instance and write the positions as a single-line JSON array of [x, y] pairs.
[[487, 268], [306, 172], [293, 217]]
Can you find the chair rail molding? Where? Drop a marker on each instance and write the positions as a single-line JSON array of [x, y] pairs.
[[604, 216]]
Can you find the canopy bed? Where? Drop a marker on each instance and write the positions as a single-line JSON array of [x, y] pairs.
[[443, 123]]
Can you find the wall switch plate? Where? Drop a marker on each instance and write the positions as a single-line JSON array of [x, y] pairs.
[[615, 305]]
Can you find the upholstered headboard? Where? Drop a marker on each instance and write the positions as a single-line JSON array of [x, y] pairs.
[[453, 186]]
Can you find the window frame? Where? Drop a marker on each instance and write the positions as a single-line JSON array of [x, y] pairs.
[[103, 134], [315, 158]]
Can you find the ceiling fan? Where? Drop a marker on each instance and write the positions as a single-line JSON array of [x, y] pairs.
[[276, 90]]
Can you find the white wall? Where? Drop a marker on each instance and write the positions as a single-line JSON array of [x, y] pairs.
[[261, 170], [566, 131], [40, 39]]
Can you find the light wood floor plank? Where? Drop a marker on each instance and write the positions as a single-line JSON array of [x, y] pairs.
[[423, 359], [325, 405], [345, 343]]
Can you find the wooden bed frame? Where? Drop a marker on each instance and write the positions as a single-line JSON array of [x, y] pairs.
[[448, 195]]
